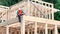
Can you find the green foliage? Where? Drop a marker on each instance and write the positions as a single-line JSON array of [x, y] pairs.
[[8, 2], [57, 5], [57, 15], [59, 30], [50, 1]]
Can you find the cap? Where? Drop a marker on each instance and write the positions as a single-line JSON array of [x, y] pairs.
[[19, 8]]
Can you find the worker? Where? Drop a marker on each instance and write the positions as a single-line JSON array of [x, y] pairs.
[[19, 14]]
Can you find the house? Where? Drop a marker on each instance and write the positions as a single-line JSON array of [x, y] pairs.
[[38, 19]]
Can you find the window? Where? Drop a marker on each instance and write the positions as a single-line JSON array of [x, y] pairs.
[[46, 4], [3, 20], [50, 5], [33, 1], [43, 3], [37, 2]]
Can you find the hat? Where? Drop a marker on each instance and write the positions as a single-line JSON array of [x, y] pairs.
[[19, 9]]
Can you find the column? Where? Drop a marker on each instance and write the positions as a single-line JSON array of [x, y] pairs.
[[46, 29], [28, 7], [28, 31], [7, 29], [52, 13], [56, 29], [23, 27], [35, 32]]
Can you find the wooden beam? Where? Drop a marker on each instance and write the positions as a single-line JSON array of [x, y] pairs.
[[35, 31], [23, 27], [56, 29], [7, 29], [46, 29]]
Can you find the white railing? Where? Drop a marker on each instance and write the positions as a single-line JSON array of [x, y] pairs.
[[44, 3], [37, 8]]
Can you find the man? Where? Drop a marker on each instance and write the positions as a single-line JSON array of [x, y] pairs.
[[19, 14]]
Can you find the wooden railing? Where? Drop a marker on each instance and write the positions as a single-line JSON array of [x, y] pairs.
[[44, 15]]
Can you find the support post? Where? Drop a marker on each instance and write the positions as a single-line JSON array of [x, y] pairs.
[[52, 13], [35, 28], [28, 7], [56, 30], [7, 29], [28, 31], [23, 27], [46, 29]]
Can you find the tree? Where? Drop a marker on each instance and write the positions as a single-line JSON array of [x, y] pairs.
[[57, 5], [50, 1], [9, 2], [57, 15]]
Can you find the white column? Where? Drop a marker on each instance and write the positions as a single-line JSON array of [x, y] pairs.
[[28, 7], [46, 29], [52, 13], [7, 29], [35, 8], [56, 29], [35, 32], [28, 31], [23, 27]]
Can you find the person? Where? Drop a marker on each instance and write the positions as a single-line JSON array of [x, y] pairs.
[[19, 14]]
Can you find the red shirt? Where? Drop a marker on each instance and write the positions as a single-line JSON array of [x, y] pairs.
[[20, 12]]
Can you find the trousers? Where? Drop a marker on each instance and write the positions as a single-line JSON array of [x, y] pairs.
[[19, 18]]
